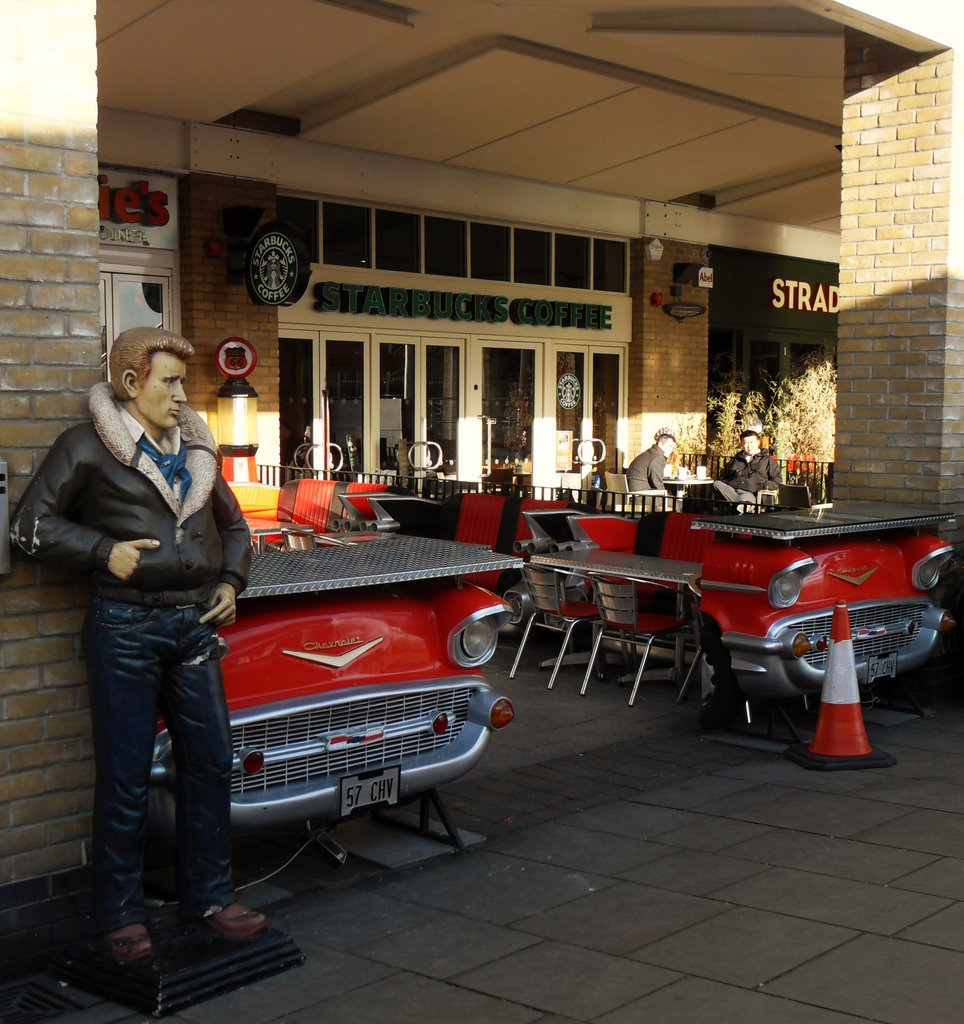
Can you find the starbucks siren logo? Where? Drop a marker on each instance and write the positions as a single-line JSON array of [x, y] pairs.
[[568, 391], [276, 266]]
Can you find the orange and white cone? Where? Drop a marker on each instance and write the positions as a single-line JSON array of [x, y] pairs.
[[840, 740]]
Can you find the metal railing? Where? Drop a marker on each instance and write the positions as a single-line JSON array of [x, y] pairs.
[[817, 475]]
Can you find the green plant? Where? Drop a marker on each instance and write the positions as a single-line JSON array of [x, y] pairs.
[[731, 406], [691, 433], [798, 415], [803, 411]]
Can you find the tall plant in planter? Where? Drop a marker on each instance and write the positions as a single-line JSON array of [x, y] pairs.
[[804, 411], [731, 407]]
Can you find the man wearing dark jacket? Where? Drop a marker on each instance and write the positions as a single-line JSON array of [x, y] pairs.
[[748, 472], [133, 500], [646, 471]]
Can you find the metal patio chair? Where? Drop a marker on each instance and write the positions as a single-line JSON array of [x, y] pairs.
[[553, 609], [621, 620]]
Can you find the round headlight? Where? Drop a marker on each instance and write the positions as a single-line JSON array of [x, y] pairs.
[[785, 588], [928, 570], [476, 643]]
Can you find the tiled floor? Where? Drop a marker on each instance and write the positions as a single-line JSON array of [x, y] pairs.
[[635, 869]]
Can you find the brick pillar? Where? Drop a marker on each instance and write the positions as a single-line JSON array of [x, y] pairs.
[[50, 350], [900, 332], [212, 308], [667, 359]]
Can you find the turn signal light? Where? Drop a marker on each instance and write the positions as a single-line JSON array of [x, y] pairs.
[[800, 645], [948, 623], [501, 713]]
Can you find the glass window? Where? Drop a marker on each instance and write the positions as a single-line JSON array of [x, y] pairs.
[[345, 381], [508, 398], [442, 388], [444, 247], [396, 241], [346, 235], [396, 403], [572, 261], [490, 252], [608, 265], [531, 256], [301, 214]]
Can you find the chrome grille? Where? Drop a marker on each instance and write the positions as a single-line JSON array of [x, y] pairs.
[[304, 726], [890, 616]]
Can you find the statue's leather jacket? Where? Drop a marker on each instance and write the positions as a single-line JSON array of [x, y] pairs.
[[96, 487]]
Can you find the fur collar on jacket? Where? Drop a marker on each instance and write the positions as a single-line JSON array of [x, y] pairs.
[[202, 462]]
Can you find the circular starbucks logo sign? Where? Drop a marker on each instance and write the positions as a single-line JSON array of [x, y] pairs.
[[568, 391], [276, 266]]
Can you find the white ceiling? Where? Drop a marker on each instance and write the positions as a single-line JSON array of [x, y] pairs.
[[740, 101]]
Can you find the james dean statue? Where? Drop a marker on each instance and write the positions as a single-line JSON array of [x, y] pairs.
[[133, 500]]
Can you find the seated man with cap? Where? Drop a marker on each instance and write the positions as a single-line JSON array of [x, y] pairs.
[[750, 471], [645, 472]]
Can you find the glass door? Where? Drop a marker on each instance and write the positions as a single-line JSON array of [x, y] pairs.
[[585, 397], [507, 414], [132, 300], [420, 403]]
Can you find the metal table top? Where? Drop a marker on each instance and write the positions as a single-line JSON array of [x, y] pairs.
[[619, 563], [395, 559], [842, 518]]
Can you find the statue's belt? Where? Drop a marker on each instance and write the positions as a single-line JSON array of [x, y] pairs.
[[155, 598]]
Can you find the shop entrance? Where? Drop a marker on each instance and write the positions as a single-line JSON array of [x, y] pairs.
[[583, 392], [419, 404], [129, 298]]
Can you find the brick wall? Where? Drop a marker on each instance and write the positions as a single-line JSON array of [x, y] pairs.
[[900, 332], [49, 357], [213, 308], [667, 359]]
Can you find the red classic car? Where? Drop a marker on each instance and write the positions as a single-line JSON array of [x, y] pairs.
[[769, 583], [353, 679]]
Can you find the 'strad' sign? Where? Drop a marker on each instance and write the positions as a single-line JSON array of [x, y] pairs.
[[277, 267], [376, 300]]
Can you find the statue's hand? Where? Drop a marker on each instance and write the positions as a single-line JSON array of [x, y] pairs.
[[221, 606], [125, 555]]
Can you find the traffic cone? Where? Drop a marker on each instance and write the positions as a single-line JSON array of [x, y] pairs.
[[840, 740]]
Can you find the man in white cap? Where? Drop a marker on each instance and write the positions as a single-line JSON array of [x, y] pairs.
[[645, 472]]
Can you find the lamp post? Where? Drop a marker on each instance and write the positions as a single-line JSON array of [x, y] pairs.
[[236, 358]]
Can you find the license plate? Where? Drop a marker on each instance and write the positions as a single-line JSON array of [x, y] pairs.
[[369, 789], [881, 666]]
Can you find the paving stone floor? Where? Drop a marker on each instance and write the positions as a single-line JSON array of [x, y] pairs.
[[633, 869]]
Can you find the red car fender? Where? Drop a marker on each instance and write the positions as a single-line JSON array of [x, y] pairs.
[[467, 603], [917, 547]]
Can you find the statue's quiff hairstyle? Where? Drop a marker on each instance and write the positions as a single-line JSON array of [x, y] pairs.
[[134, 349]]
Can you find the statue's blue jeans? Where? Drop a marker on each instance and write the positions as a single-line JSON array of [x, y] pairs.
[[140, 660]]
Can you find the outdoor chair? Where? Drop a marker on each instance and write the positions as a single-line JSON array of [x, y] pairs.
[[798, 496], [554, 610], [618, 484], [621, 620]]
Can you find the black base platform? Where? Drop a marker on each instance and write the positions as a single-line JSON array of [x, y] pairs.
[[190, 964]]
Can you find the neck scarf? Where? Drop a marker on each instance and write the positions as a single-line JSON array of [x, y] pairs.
[[172, 467]]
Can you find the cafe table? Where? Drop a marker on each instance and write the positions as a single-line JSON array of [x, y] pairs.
[[675, 574]]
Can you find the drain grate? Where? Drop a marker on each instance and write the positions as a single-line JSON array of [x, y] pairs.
[[28, 1002]]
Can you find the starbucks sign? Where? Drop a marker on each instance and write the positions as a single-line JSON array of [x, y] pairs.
[[276, 265], [568, 391]]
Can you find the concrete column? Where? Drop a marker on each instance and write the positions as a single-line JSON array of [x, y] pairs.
[[901, 339]]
